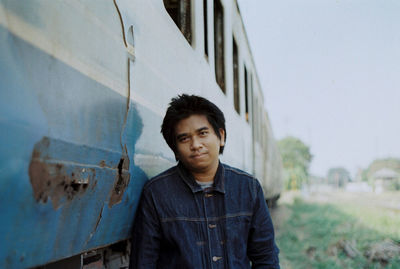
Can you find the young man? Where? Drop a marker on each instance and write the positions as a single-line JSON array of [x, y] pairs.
[[201, 213]]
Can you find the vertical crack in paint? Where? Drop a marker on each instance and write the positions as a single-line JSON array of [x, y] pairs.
[[127, 107], [95, 227], [128, 75], [122, 22], [123, 176], [123, 147]]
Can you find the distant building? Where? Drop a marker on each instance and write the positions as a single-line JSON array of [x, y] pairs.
[[384, 179], [338, 177]]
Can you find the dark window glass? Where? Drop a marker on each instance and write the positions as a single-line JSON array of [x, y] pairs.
[[219, 44], [246, 94], [180, 12], [236, 96], [205, 27]]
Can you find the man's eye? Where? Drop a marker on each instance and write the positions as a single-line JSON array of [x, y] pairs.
[[203, 132], [183, 139]]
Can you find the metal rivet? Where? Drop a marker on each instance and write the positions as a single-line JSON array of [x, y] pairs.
[[212, 225]]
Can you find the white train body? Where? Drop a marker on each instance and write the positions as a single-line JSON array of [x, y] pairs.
[[84, 87]]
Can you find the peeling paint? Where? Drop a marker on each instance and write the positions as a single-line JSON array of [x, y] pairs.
[[52, 179], [61, 180], [102, 163], [121, 182]]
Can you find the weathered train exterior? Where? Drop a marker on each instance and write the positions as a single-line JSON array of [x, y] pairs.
[[84, 87]]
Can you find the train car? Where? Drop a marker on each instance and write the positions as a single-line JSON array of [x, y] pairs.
[[84, 88]]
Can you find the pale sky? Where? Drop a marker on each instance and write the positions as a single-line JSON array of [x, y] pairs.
[[330, 71]]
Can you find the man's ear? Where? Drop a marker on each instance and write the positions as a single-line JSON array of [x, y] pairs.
[[222, 135]]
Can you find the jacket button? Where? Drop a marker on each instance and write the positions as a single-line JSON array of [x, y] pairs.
[[212, 225], [216, 258]]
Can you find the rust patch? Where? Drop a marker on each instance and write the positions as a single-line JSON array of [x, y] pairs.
[[51, 179], [121, 182], [102, 163]]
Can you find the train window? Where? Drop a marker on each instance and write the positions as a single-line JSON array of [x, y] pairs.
[[205, 27], [246, 94], [219, 44], [236, 96], [180, 12]]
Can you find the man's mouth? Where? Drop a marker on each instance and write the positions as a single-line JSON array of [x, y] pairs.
[[198, 155]]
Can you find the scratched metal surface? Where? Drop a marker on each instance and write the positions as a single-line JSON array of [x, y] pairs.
[[69, 181]]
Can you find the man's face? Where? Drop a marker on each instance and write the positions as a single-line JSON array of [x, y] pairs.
[[197, 144]]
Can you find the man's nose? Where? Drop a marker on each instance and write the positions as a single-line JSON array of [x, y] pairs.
[[196, 143]]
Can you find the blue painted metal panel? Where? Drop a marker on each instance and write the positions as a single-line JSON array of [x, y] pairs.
[[63, 187]]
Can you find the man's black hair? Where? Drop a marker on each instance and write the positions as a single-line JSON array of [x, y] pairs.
[[184, 106]]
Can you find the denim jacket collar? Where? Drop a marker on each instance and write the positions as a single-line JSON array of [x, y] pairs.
[[187, 177]]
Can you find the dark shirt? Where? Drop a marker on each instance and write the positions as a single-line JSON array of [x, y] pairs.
[[180, 225]]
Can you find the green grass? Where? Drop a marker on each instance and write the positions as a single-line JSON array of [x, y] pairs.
[[386, 222], [309, 236]]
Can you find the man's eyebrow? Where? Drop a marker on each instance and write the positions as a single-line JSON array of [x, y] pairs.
[[202, 129], [178, 136], [181, 135]]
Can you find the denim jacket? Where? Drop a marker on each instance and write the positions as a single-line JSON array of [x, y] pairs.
[[180, 225]]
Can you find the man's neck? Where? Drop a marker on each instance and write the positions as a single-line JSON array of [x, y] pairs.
[[205, 176]]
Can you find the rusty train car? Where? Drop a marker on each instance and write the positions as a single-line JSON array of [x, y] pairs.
[[84, 87]]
